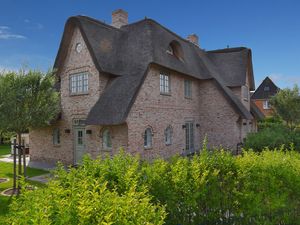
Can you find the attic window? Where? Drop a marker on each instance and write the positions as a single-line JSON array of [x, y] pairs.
[[175, 49], [266, 88]]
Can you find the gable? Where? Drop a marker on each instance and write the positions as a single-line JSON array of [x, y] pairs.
[[265, 90]]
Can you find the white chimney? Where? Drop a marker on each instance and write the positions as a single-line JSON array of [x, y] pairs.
[[119, 18], [193, 38]]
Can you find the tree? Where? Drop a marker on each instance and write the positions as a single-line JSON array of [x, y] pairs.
[[286, 104], [27, 100]]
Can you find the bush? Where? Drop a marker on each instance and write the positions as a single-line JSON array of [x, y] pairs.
[[273, 136], [210, 188], [98, 192]]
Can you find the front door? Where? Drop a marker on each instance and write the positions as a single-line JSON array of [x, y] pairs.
[[189, 137], [79, 143]]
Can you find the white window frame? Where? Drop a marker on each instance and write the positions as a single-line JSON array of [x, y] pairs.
[[56, 136], [106, 139], [79, 83], [266, 104], [164, 83], [148, 138], [188, 88], [168, 135], [189, 135]]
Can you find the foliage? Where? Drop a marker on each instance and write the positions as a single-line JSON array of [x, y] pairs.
[[98, 192], [271, 122], [287, 105], [210, 188], [27, 100], [4, 150], [5, 137], [6, 171], [272, 133]]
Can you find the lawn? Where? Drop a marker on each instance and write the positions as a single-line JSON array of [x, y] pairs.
[[6, 171], [4, 150]]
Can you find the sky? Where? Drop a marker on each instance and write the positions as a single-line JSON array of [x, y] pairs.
[[31, 30]]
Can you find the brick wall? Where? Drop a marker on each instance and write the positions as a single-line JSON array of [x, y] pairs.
[[208, 107], [259, 103]]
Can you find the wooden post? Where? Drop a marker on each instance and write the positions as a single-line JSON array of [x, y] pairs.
[[15, 165], [24, 158], [20, 162]]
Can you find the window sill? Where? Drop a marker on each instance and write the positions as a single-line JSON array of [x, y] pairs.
[[106, 149], [78, 94], [168, 144], [56, 145], [148, 148], [189, 98], [165, 94]]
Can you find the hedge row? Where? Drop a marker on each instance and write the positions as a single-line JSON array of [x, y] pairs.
[[212, 188]]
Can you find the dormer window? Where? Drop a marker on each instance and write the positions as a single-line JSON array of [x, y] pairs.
[[175, 49], [170, 50]]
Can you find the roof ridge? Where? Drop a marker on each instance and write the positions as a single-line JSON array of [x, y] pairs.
[[162, 26], [96, 21], [225, 50]]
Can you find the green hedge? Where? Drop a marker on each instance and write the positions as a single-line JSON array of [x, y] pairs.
[[213, 188], [272, 136]]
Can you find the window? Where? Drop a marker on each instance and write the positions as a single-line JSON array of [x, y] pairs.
[[106, 139], [56, 136], [79, 83], [175, 49], [170, 50], [266, 88], [245, 93], [188, 88], [164, 84], [148, 138], [168, 135], [189, 136], [266, 105]]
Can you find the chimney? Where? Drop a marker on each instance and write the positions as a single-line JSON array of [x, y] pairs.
[[119, 18], [193, 38]]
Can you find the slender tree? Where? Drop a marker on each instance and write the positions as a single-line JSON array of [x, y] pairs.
[[286, 104], [27, 100]]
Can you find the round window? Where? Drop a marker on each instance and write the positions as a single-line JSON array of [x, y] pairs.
[[78, 47]]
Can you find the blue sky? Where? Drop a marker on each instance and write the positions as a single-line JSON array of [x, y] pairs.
[[30, 30]]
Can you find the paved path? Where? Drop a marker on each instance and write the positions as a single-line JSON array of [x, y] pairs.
[[42, 178], [10, 159]]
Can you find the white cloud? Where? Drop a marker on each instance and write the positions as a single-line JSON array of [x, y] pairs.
[[6, 34], [32, 25], [285, 80]]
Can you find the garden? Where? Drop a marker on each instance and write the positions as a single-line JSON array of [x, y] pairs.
[[211, 188], [6, 171]]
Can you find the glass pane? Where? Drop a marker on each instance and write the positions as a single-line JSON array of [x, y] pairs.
[[79, 137]]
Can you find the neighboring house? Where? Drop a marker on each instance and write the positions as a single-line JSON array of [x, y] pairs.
[[142, 87], [24, 139], [261, 96]]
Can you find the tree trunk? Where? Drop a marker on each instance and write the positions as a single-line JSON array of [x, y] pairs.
[[15, 165], [19, 161], [24, 158]]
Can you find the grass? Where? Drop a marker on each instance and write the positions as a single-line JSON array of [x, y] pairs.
[[4, 150], [6, 171]]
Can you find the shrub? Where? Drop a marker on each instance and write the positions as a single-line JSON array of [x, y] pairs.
[[210, 188], [272, 136], [98, 192]]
